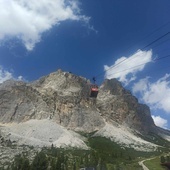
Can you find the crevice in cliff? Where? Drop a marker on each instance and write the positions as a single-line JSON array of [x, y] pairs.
[[14, 113]]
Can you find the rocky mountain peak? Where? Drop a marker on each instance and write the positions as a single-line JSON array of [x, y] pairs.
[[119, 105], [64, 98], [113, 87], [64, 83]]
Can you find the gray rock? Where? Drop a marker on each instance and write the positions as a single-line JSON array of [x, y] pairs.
[[64, 98]]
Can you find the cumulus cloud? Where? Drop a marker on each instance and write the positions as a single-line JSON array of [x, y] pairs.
[[160, 121], [125, 68], [156, 94], [141, 86], [27, 20], [4, 75]]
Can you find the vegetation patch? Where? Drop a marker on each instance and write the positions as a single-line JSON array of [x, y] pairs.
[[103, 155], [154, 164]]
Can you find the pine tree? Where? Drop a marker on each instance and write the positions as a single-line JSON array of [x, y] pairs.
[[40, 162], [20, 163], [53, 164], [168, 158]]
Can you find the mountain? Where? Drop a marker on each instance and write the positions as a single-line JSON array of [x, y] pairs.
[[57, 109]]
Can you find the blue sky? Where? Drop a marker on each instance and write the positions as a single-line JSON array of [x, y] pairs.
[[105, 39]]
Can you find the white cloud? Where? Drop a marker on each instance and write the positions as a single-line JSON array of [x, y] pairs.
[[28, 19], [141, 86], [160, 121], [4, 75], [156, 94], [125, 68], [20, 78]]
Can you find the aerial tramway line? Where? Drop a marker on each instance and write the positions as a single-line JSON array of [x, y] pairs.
[[94, 87]]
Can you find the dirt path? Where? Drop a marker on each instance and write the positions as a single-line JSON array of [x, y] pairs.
[[141, 163], [143, 166]]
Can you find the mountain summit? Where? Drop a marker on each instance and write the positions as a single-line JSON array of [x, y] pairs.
[[58, 107]]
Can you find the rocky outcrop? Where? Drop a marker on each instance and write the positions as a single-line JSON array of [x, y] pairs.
[[20, 102], [60, 96], [118, 104], [64, 98]]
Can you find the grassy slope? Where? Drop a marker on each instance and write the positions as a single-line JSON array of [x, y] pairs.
[[104, 153], [154, 164], [113, 154]]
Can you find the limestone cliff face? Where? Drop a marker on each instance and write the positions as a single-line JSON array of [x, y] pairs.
[[118, 104], [19, 102], [64, 97]]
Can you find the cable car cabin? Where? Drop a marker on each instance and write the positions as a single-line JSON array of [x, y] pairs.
[[93, 90]]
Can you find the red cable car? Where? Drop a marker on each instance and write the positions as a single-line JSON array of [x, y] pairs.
[[94, 89]]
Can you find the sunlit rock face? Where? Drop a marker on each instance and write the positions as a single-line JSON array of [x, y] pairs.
[[64, 98], [118, 104], [60, 96]]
